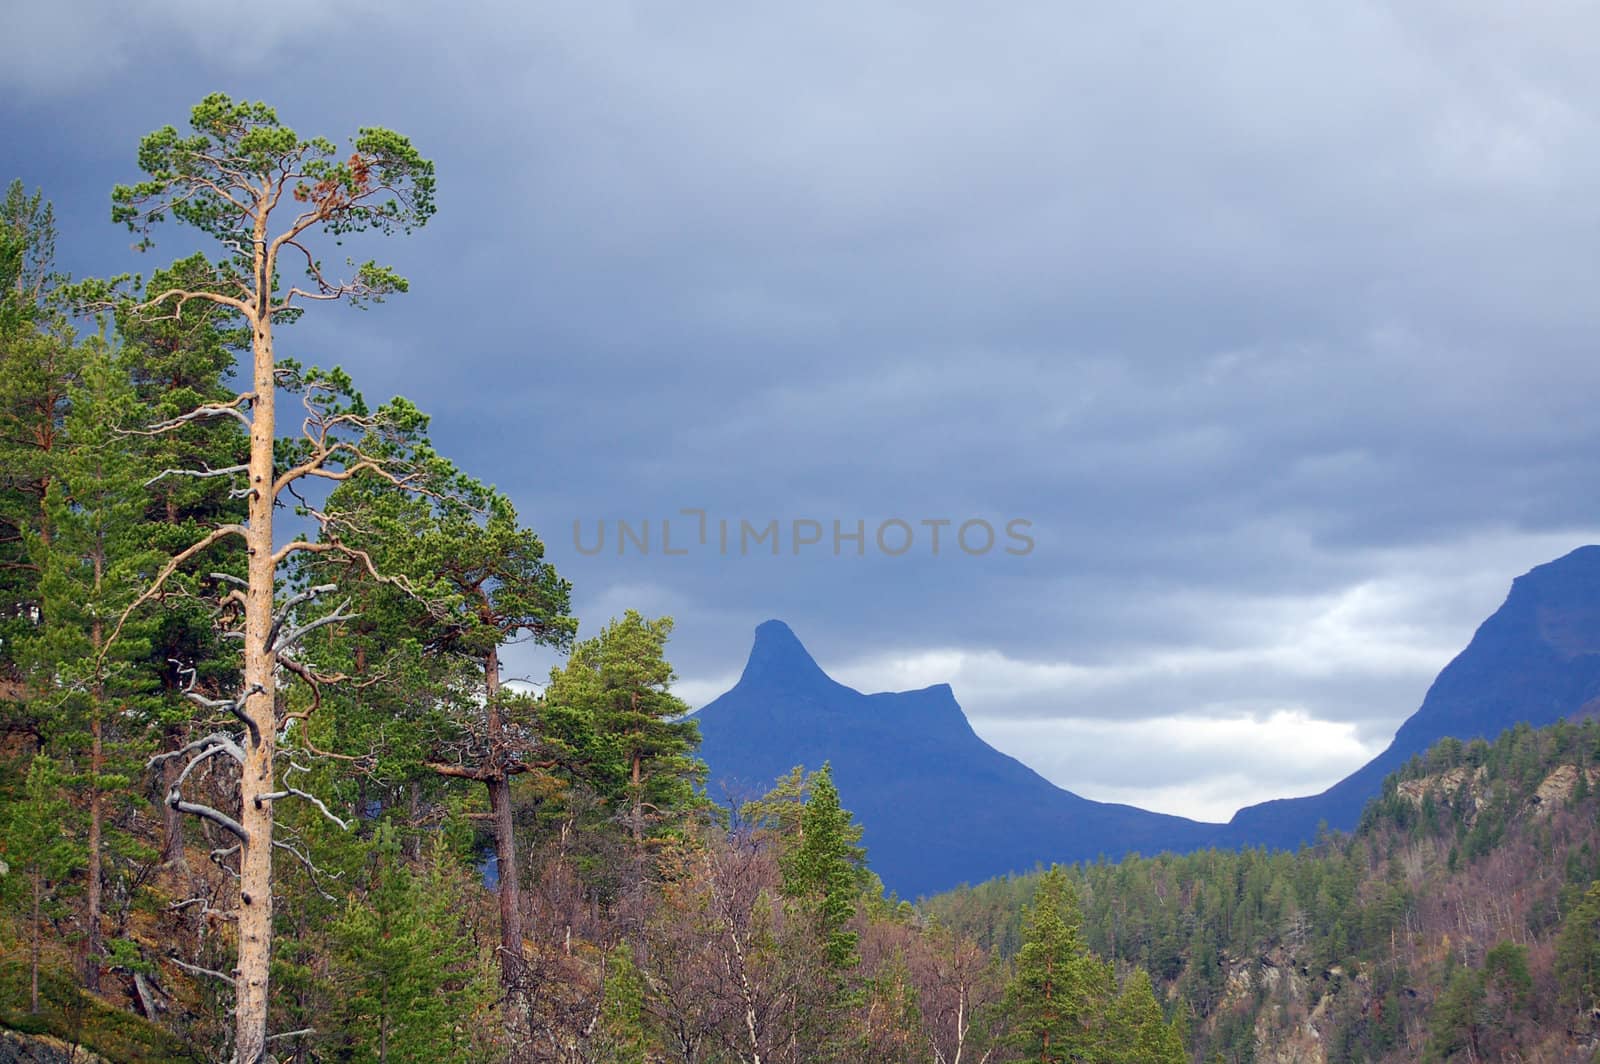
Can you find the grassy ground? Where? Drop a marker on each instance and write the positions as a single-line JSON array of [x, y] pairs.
[[69, 1014]]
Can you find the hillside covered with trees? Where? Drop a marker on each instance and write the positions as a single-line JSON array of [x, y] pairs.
[[1460, 922], [263, 793]]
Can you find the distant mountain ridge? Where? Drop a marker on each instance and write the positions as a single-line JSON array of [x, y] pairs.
[[1536, 659], [941, 807]]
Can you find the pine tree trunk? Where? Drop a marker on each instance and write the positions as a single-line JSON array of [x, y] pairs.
[[91, 944], [256, 777], [507, 887], [93, 901], [33, 969]]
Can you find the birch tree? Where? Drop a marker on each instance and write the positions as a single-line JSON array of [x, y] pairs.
[[268, 196]]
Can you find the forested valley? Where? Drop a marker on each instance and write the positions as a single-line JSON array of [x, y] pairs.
[[265, 795], [1460, 922]]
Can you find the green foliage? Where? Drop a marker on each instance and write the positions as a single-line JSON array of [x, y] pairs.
[[1367, 904], [407, 968], [622, 1037], [1058, 988], [825, 870], [1136, 1031], [1578, 951], [27, 257], [40, 855], [213, 179], [612, 706], [40, 364]]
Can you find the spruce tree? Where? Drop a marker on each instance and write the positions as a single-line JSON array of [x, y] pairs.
[[406, 966], [92, 565], [1578, 951], [1136, 1032], [824, 869], [1057, 989], [39, 365], [39, 858]]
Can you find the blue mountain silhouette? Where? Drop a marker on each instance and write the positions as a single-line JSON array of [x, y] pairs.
[[941, 807]]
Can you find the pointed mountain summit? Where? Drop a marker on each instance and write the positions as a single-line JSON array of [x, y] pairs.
[[939, 805], [778, 661]]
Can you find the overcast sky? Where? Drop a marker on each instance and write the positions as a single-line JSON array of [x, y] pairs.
[[1277, 324]]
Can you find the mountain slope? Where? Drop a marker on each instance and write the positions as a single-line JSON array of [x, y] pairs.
[[940, 806], [1536, 659], [1401, 942]]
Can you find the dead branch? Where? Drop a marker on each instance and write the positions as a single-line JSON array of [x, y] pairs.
[[294, 792], [215, 536], [183, 295], [222, 820], [199, 474], [195, 969], [204, 412], [306, 629], [311, 869], [301, 1033]]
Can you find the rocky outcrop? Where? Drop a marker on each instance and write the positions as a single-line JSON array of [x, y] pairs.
[[1555, 790]]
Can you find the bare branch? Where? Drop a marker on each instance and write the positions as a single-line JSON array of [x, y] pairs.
[[234, 706], [459, 771], [284, 611], [205, 812], [297, 634], [199, 413], [294, 600], [224, 746], [195, 969], [311, 869], [183, 295], [313, 799], [199, 474], [215, 536], [215, 738]]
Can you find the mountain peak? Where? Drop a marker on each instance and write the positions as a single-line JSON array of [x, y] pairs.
[[779, 660]]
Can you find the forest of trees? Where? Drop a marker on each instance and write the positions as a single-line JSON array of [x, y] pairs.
[[263, 793], [1460, 922]]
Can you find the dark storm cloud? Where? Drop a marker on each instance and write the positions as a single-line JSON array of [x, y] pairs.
[[1277, 325]]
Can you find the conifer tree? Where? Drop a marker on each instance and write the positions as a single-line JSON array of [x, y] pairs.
[[825, 870], [1578, 951], [1136, 1032], [175, 365], [491, 585], [39, 365], [618, 686], [266, 195], [1056, 991], [92, 565], [622, 1035], [40, 859], [406, 967]]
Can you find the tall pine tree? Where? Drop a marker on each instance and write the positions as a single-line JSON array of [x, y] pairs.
[[1057, 990]]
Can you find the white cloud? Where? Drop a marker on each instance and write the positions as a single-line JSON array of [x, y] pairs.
[[1200, 766]]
